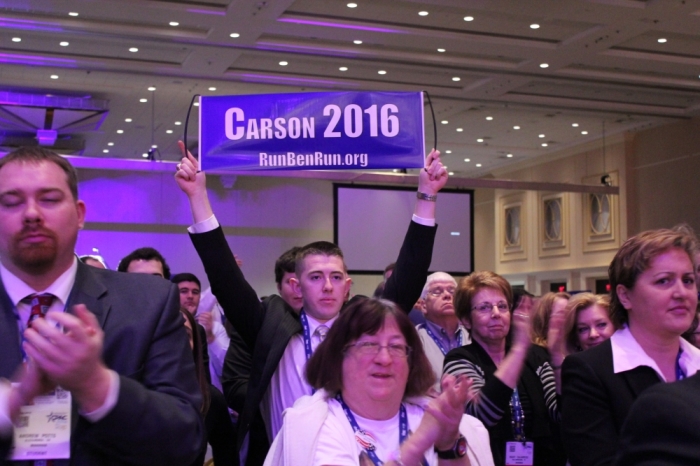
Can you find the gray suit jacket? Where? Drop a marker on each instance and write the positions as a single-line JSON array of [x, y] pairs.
[[156, 420]]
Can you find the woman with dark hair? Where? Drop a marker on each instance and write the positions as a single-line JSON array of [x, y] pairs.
[[653, 301], [514, 383], [371, 375]]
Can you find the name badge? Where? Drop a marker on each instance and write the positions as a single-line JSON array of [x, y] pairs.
[[42, 430], [520, 453]]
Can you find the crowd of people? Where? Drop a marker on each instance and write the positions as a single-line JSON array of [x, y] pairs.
[[431, 370]]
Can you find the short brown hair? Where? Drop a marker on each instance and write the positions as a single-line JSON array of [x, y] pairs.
[[38, 155], [541, 315], [470, 285], [318, 248], [635, 256], [366, 317], [578, 303]]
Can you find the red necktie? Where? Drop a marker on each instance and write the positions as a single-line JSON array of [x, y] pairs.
[[40, 304]]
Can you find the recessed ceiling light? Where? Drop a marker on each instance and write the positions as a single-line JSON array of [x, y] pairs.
[[63, 44], [448, 151], [456, 78], [444, 122], [575, 125], [459, 130], [212, 89], [196, 104], [544, 144], [509, 155], [516, 127], [169, 131], [441, 50], [151, 88], [478, 165], [133, 49], [128, 120], [144, 155], [467, 160], [544, 65], [106, 151], [120, 131], [284, 63], [110, 143], [534, 26], [235, 35], [343, 68], [16, 39], [584, 132], [154, 146], [451, 173], [468, 18], [381, 72], [352, 5], [143, 101], [357, 42], [73, 13], [423, 13], [479, 140], [174, 23], [489, 118], [661, 40], [178, 123], [54, 76]]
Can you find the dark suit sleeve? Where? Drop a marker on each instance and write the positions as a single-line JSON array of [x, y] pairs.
[[156, 420], [236, 372], [235, 295], [588, 427], [406, 283], [204, 347]]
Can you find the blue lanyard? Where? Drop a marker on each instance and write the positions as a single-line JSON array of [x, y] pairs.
[[365, 440], [306, 334], [437, 340], [680, 375], [517, 417]]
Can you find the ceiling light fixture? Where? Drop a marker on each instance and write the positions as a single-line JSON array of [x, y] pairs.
[[178, 123], [575, 125], [212, 89], [174, 23], [128, 120], [169, 131], [541, 135], [110, 143], [468, 18], [196, 104], [467, 160], [381, 72], [544, 144], [459, 130], [534, 26], [151, 88], [544, 65], [144, 155], [423, 13], [441, 50], [63, 44], [235, 35], [133, 50], [478, 165], [284, 63], [448, 151], [106, 151], [143, 101], [451, 173], [357, 42], [343, 68], [584, 132], [16, 39], [73, 13], [54, 76], [352, 5], [480, 140], [456, 78], [509, 155], [120, 131], [489, 118], [516, 127], [444, 122], [661, 40]]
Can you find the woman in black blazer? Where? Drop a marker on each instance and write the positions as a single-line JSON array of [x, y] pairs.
[[653, 301]]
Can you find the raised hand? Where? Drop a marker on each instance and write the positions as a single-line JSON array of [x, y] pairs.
[[433, 176]]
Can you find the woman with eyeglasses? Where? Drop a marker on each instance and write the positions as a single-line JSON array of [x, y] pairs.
[[371, 376], [515, 391]]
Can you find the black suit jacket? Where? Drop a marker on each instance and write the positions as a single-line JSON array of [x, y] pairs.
[[663, 426], [267, 327], [595, 403], [156, 420]]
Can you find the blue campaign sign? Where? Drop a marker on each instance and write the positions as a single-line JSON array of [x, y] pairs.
[[312, 131]]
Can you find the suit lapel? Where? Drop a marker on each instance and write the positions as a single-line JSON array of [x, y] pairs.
[[90, 291], [639, 379], [11, 356]]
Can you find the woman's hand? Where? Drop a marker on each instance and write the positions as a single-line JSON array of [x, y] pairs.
[[445, 412], [522, 328], [556, 339]]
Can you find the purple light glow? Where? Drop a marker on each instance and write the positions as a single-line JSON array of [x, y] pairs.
[[339, 25], [302, 80], [206, 12], [28, 25], [36, 60], [277, 47]]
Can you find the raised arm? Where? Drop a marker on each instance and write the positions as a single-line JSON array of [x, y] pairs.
[[406, 283]]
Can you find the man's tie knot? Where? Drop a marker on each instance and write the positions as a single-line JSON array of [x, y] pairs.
[[321, 332], [40, 304]]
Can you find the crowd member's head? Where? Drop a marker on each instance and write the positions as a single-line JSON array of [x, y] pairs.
[[548, 304], [190, 291], [438, 298], [523, 301], [284, 273], [321, 279], [389, 270], [94, 261], [197, 353], [652, 281], [371, 336], [587, 322], [40, 213], [483, 302], [145, 260]]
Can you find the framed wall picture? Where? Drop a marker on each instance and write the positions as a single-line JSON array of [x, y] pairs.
[[601, 217], [511, 227], [553, 224]]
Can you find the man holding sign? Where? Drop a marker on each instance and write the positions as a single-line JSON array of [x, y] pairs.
[[282, 339]]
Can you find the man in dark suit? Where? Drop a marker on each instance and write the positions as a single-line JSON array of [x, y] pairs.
[[119, 348], [277, 334], [663, 426]]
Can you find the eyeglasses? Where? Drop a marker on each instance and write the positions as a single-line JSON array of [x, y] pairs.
[[368, 348], [488, 307], [437, 292]]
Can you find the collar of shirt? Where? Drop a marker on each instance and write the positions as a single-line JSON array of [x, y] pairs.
[[314, 324], [628, 354], [451, 340], [17, 290]]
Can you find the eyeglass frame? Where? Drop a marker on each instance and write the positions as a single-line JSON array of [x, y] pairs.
[[491, 306], [364, 345]]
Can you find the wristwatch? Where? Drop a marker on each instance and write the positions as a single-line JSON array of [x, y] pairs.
[[458, 450]]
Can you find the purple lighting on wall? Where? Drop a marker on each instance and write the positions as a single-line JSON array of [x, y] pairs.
[[206, 12], [339, 25], [28, 25], [34, 60]]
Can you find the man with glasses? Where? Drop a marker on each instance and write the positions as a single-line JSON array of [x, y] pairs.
[[442, 330]]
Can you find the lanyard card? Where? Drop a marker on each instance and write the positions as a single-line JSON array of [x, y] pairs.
[[520, 453], [43, 428]]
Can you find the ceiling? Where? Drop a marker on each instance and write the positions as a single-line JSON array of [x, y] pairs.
[[483, 63]]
